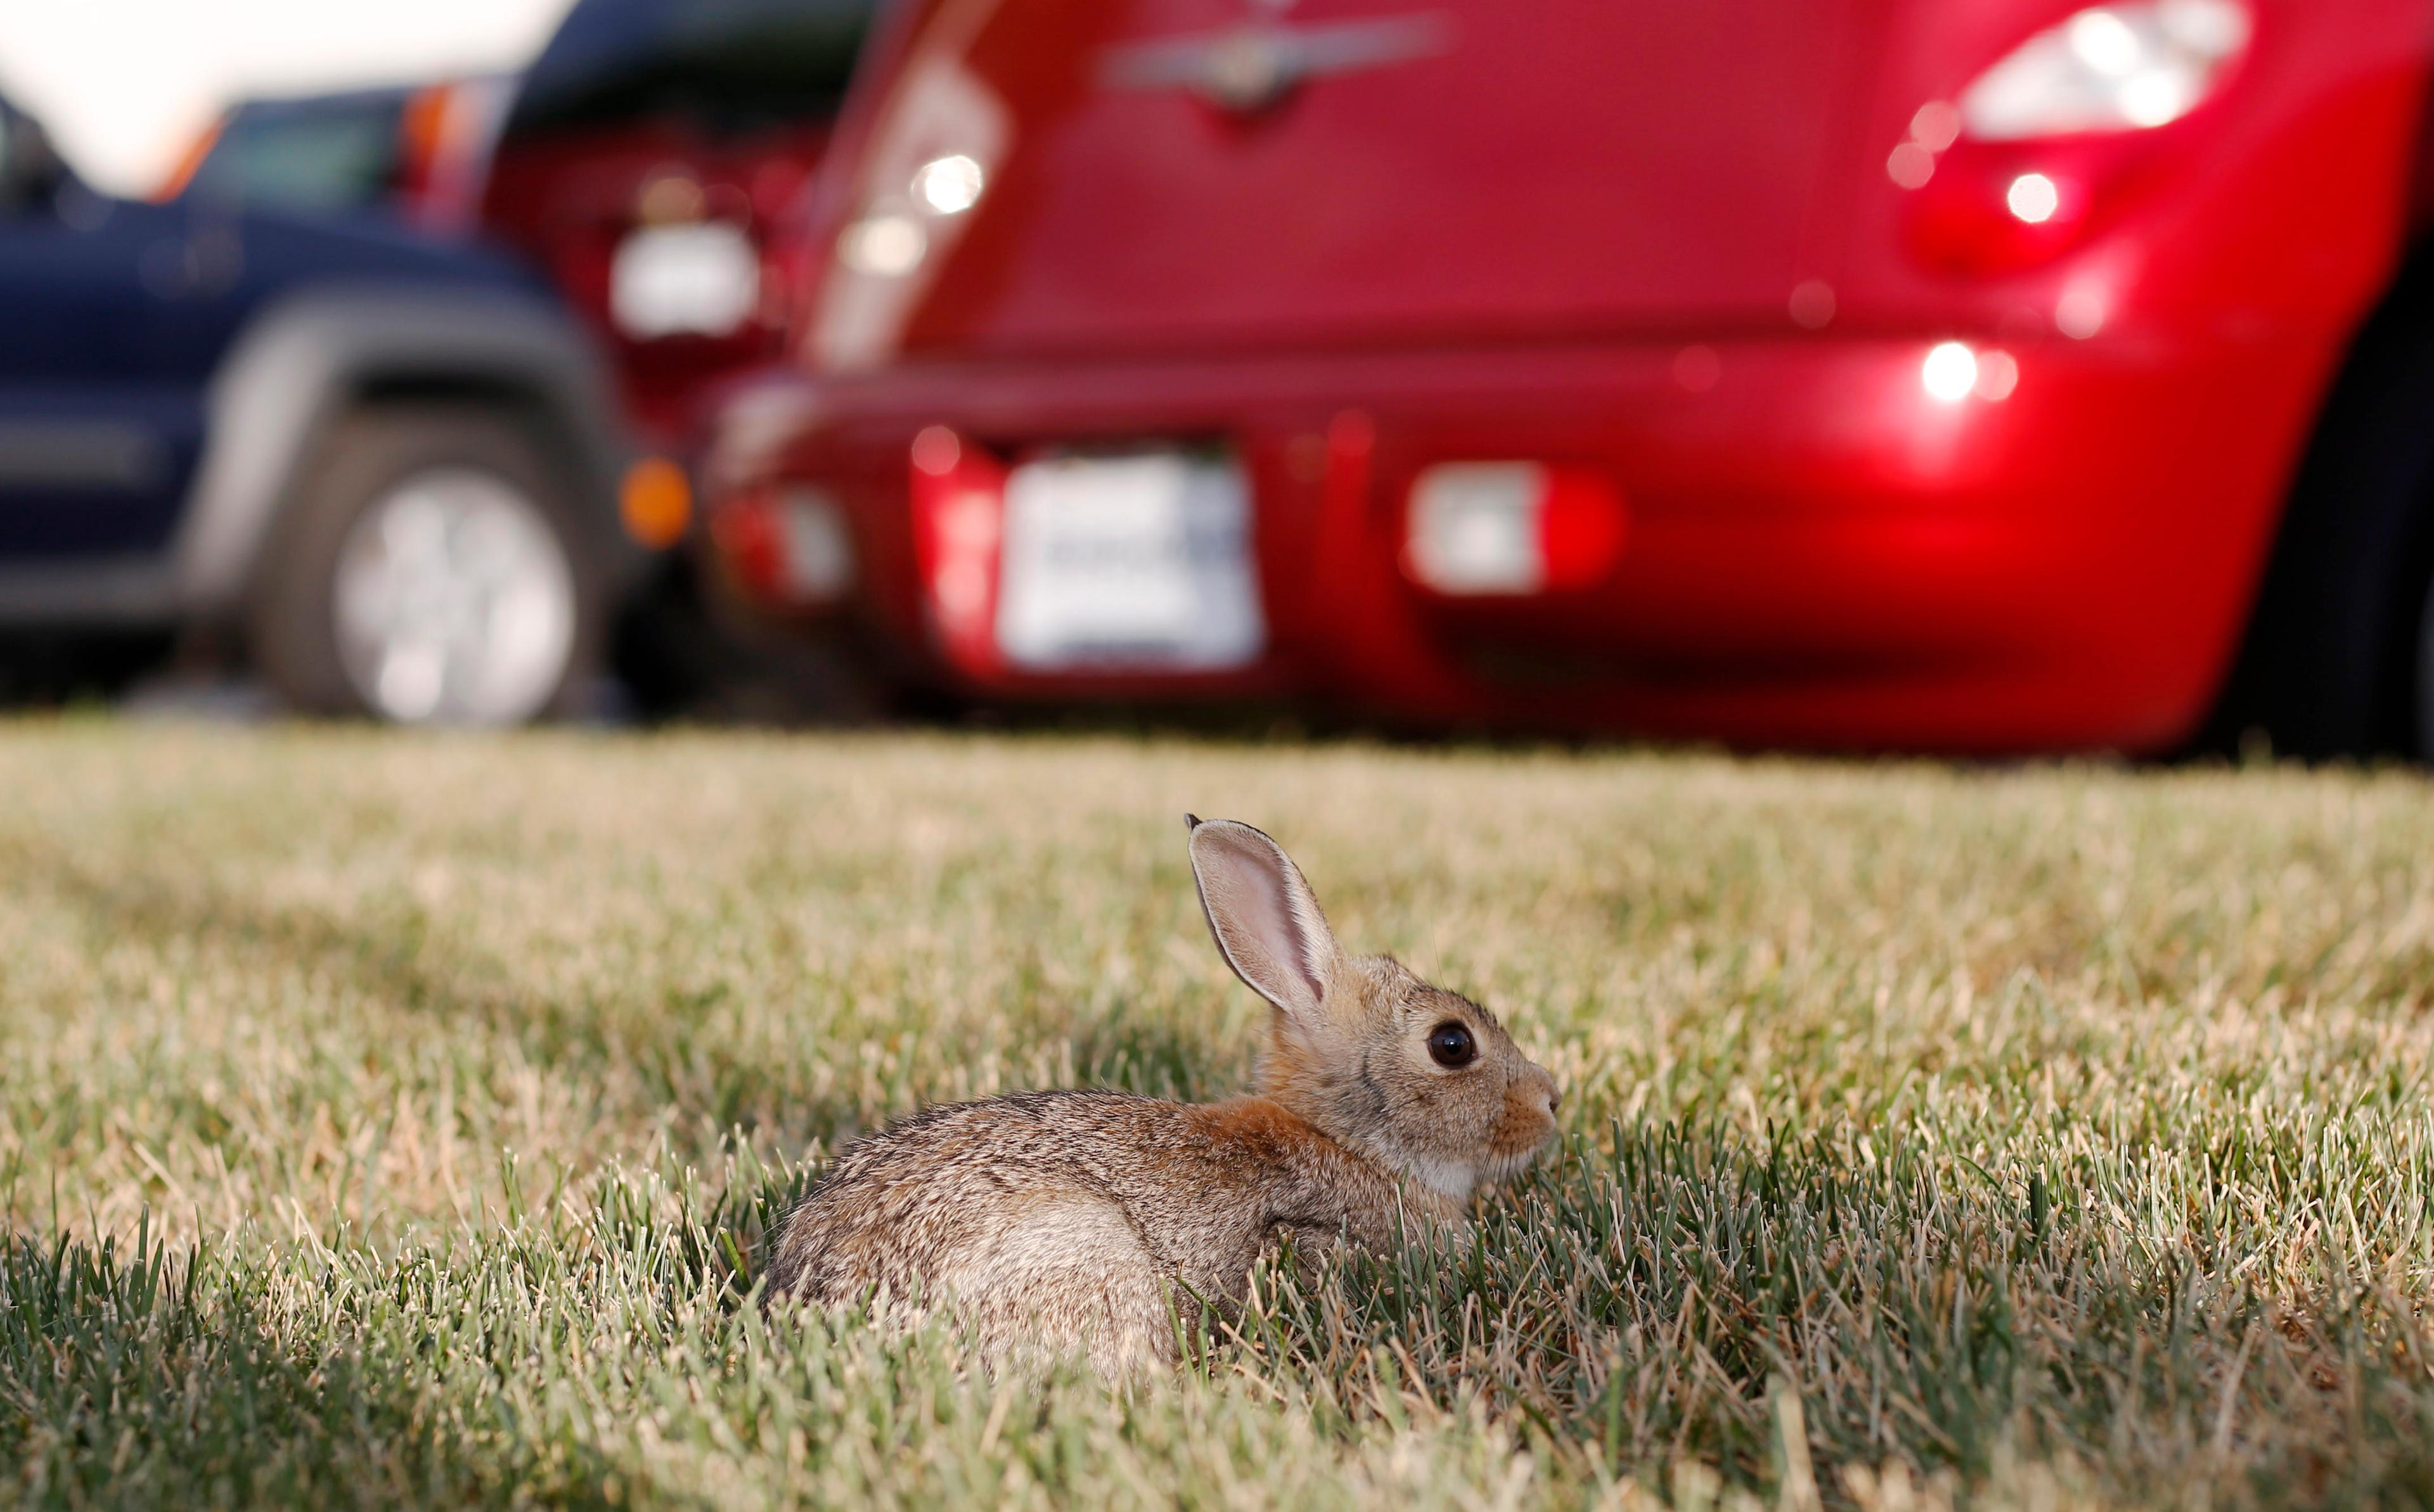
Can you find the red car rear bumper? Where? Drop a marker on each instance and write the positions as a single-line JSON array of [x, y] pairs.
[[1819, 552]]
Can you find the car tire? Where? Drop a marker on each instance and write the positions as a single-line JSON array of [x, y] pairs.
[[431, 568], [2338, 659]]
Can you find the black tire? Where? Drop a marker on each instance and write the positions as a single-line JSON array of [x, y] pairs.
[[294, 616], [48, 667], [685, 654], [2336, 661]]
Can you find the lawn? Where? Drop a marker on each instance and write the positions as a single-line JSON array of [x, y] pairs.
[[393, 1120]]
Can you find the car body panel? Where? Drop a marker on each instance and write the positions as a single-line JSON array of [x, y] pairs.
[[1340, 226]]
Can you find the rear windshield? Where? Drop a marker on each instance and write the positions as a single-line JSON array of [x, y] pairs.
[[320, 155], [726, 64]]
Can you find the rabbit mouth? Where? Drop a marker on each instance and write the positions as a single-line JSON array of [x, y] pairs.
[[1514, 1154], [1506, 1164], [1458, 1175]]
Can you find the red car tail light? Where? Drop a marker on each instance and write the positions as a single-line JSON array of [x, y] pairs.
[[786, 547], [2039, 142], [958, 497], [1500, 528]]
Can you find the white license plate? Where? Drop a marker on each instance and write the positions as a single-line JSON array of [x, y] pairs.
[[1133, 562], [701, 279]]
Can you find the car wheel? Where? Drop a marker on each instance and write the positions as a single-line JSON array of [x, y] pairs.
[[2338, 659], [429, 573]]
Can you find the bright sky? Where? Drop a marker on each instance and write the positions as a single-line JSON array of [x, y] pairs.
[[125, 84]]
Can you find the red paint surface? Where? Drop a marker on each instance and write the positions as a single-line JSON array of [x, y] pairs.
[[567, 199], [1504, 249]]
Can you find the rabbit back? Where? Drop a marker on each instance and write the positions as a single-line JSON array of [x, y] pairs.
[[1065, 1220]]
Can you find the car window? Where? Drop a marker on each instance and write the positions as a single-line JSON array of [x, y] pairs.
[[726, 65], [331, 156]]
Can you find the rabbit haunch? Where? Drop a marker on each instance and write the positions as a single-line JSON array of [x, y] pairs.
[[1058, 1221]]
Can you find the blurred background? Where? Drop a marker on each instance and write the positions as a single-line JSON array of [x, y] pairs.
[[126, 86], [2021, 377]]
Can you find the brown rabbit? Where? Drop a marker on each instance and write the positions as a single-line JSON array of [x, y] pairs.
[[1061, 1222]]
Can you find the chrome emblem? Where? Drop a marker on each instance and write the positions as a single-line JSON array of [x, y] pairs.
[[1251, 67]]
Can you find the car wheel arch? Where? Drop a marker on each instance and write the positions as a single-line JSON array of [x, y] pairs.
[[304, 365], [2325, 665]]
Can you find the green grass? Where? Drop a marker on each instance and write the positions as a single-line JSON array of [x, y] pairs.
[[393, 1121]]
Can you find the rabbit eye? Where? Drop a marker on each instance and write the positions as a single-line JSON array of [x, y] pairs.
[[1452, 1047]]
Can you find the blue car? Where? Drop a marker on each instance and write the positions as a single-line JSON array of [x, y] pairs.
[[382, 469]]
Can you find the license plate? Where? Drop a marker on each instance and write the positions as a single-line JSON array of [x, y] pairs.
[[702, 279], [1128, 563]]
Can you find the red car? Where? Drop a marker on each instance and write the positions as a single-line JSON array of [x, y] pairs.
[[1998, 377], [651, 148]]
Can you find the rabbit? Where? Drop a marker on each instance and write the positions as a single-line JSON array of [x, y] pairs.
[[1054, 1223]]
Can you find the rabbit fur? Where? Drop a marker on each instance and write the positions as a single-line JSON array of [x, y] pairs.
[[1051, 1223]]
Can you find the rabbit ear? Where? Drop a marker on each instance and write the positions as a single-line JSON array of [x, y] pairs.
[[1267, 924]]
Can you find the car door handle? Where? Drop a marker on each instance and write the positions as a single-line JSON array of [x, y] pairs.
[[1249, 68]]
